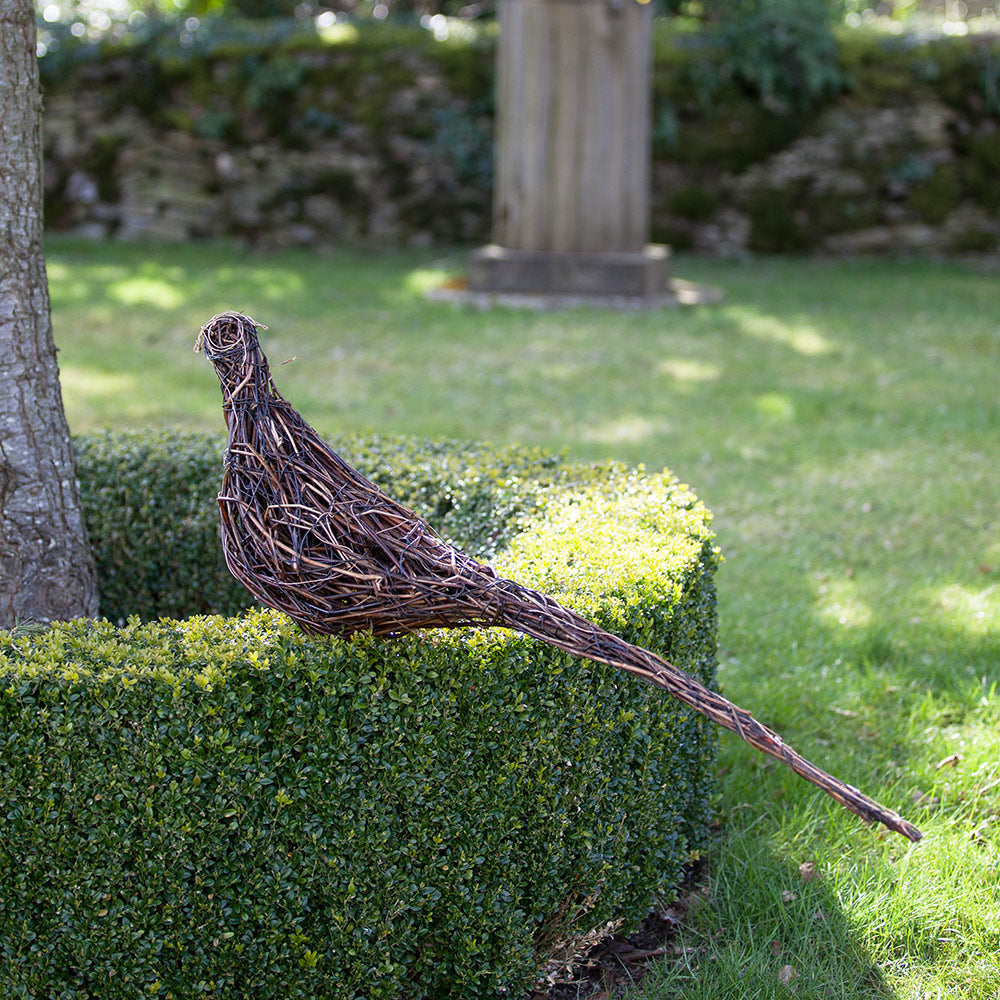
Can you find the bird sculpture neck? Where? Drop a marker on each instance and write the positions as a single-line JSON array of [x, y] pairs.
[[230, 342]]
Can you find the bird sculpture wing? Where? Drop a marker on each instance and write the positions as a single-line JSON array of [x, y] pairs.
[[309, 535]]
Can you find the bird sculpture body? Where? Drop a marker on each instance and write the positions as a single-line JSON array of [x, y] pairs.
[[309, 535]]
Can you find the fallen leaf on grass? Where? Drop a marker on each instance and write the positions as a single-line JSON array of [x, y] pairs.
[[788, 896], [807, 871], [786, 974], [950, 761], [776, 948], [698, 898]]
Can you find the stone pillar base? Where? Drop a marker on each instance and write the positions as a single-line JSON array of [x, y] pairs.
[[646, 272]]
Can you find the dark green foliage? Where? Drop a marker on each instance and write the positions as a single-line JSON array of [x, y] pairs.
[[793, 218], [465, 138], [973, 239], [701, 115], [261, 8], [149, 504], [778, 222], [962, 71], [693, 203], [980, 166], [938, 194], [225, 808], [783, 51]]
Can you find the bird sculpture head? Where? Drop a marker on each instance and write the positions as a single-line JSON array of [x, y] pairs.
[[230, 342]]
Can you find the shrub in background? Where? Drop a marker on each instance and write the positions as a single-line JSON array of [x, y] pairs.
[[782, 50], [227, 808]]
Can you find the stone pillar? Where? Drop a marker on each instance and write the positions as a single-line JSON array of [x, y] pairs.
[[571, 198]]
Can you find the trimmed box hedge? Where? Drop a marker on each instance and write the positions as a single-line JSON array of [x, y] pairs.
[[223, 807]]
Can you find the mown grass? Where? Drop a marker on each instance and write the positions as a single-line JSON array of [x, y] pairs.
[[842, 420]]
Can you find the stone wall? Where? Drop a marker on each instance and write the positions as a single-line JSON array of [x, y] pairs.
[[864, 180], [278, 147], [370, 139]]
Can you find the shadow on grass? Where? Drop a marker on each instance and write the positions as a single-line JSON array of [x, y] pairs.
[[763, 927]]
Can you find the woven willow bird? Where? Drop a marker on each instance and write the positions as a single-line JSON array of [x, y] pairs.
[[310, 536]]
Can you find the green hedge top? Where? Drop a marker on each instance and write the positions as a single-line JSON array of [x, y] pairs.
[[610, 545], [226, 808]]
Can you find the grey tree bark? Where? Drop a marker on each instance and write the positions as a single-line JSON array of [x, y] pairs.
[[46, 567]]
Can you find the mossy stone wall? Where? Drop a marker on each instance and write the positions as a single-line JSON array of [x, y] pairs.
[[382, 133]]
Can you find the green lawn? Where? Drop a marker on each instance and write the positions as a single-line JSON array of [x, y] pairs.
[[842, 420]]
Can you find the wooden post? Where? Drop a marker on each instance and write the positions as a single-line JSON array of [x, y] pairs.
[[571, 197]]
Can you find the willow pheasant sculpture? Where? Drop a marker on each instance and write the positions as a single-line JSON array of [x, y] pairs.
[[308, 535]]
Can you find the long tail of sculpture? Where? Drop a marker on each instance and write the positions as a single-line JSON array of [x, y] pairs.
[[542, 618]]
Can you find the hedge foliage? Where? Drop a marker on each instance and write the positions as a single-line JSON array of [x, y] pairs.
[[223, 807]]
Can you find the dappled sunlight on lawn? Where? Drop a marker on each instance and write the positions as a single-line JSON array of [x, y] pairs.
[[560, 371], [689, 370], [904, 926], [840, 603], [96, 397], [186, 283], [861, 558], [422, 279], [630, 428], [82, 283], [146, 291], [801, 337], [973, 610], [81, 385], [775, 406], [271, 283]]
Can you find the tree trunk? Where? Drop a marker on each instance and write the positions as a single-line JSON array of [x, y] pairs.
[[46, 567]]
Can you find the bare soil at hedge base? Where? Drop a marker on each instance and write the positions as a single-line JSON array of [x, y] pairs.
[[607, 966]]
